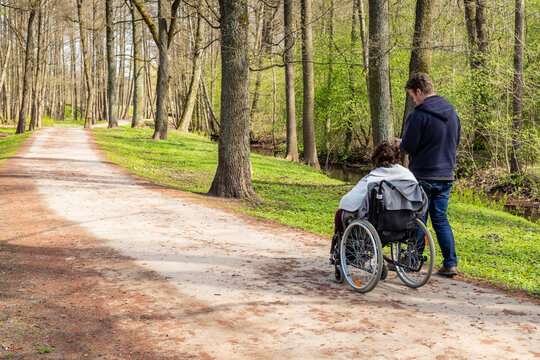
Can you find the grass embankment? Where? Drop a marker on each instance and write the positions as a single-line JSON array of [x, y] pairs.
[[492, 245], [9, 142]]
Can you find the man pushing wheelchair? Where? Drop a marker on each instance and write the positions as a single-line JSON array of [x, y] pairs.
[[391, 204]]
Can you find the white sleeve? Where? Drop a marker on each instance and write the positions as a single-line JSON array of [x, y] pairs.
[[353, 199]]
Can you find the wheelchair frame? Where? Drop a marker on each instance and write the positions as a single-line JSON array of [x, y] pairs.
[[378, 269]]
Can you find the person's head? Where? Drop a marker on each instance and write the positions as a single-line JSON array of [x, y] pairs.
[[386, 154], [419, 87]]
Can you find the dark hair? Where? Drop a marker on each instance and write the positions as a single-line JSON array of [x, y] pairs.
[[386, 154], [420, 81]]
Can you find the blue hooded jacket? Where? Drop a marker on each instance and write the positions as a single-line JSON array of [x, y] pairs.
[[431, 137]]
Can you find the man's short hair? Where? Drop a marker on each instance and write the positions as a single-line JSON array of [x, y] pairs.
[[420, 81]]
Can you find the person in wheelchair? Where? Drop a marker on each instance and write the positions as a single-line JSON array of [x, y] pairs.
[[386, 160]]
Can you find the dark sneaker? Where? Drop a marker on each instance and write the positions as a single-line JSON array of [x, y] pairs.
[[448, 271]]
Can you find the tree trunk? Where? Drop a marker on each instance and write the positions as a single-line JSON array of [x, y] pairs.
[[478, 51], [88, 111], [138, 69], [363, 37], [329, 81], [162, 35], [265, 43], [111, 66], [34, 118], [233, 175], [4, 68], [310, 147], [421, 52], [379, 82], [517, 103], [191, 97], [470, 16], [27, 77], [292, 142], [162, 89]]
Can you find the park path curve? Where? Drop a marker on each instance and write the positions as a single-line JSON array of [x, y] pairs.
[[245, 289]]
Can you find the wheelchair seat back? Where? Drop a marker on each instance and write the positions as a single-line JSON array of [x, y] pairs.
[[392, 225]]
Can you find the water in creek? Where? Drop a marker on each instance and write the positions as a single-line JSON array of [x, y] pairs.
[[346, 173]]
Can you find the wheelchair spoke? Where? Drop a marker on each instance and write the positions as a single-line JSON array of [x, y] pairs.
[[414, 257]]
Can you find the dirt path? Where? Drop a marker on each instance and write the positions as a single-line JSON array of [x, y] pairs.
[[121, 269]]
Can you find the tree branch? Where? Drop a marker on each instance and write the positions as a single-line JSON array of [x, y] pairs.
[[147, 19], [172, 26]]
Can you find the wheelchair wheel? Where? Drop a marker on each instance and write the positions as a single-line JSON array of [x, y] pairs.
[[414, 257], [361, 257]]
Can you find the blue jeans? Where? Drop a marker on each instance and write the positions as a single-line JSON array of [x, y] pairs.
[[438, 193]]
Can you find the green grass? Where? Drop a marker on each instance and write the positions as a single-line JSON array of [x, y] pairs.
[[492, 245], [10, 143]]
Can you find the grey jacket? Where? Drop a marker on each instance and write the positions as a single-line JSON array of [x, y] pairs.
[[398, 195]]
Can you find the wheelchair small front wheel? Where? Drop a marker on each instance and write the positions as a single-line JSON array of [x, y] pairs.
[[415, 257], [361, 256]]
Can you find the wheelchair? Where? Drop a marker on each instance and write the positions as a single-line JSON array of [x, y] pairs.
[[358, 252]]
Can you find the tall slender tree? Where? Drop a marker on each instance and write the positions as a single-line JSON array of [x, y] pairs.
[[27, 75], [475, 20], [233, 174], [196, 70], [111, 66], [308, 121], [292, 142], [138, 68], [88, 109], [379, 80], [517, 103]]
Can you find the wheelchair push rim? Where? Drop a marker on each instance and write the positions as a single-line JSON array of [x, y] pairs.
[[361, 258], [414, 269]]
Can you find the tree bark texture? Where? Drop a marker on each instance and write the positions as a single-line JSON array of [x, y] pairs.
[[111, 66], [421, 46], [138, 68], [379, 81], [292, 142], [310, 147], [27, 76], [517, 103], [233, 175]]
